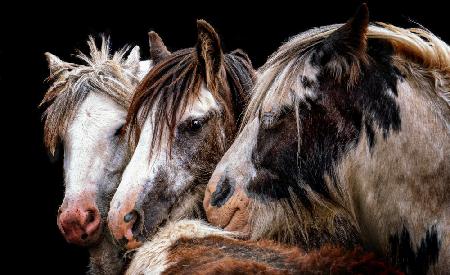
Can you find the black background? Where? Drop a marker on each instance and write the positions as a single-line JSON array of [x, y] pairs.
[[32, 188]]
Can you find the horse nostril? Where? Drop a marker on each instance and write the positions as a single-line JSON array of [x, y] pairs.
[[223, 192], [90, 216], [84, 236]]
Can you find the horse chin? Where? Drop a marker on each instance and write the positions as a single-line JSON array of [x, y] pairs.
[[133, 244], [234, 215], [136, 242], [97, 237], [239, 223]]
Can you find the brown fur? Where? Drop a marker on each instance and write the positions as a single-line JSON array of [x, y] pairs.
[[219, 255]]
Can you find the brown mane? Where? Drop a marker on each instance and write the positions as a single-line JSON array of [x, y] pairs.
[[71, 84], [177, 79]]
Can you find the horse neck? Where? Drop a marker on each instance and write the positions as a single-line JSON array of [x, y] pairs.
[[400, 184], [191, 205], [105, 257]]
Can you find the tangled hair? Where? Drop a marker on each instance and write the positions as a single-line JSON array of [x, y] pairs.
[[114, 76]]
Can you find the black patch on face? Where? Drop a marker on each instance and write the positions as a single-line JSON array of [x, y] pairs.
[[324, 138], [111, 178], [376, 79], [331, 125], [275, 160], [404, 256]]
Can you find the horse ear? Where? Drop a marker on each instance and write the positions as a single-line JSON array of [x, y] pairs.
[[352, 36], [133, 57], [55, 64], [208, 49], [158, 51]]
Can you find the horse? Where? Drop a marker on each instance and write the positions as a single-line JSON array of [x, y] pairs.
[[86, 110], [193, 247], [345, 140], [183, 116]]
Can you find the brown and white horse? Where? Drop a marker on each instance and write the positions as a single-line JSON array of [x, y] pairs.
[[346, 137], [184, 116], [86, 109]]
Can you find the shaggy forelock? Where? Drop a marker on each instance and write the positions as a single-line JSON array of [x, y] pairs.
[[166, 91], [102, 73]]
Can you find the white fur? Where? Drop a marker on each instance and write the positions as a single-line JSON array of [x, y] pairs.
[[151, 258], [90, 148], [144, 68], [87, 144], [201, 105]]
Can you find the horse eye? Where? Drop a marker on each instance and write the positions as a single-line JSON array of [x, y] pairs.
[[195, 125]]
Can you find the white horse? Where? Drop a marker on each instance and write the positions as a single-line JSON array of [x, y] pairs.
[[86, 109]]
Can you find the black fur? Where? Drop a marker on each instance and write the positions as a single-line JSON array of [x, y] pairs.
[[414, 260]]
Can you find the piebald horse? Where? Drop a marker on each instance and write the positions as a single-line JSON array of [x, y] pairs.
[[85, 110], [183, 117], [346, 137]]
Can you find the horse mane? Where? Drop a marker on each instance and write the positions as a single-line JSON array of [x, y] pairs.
[[416, 49], [176, 80], [71, 83]]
